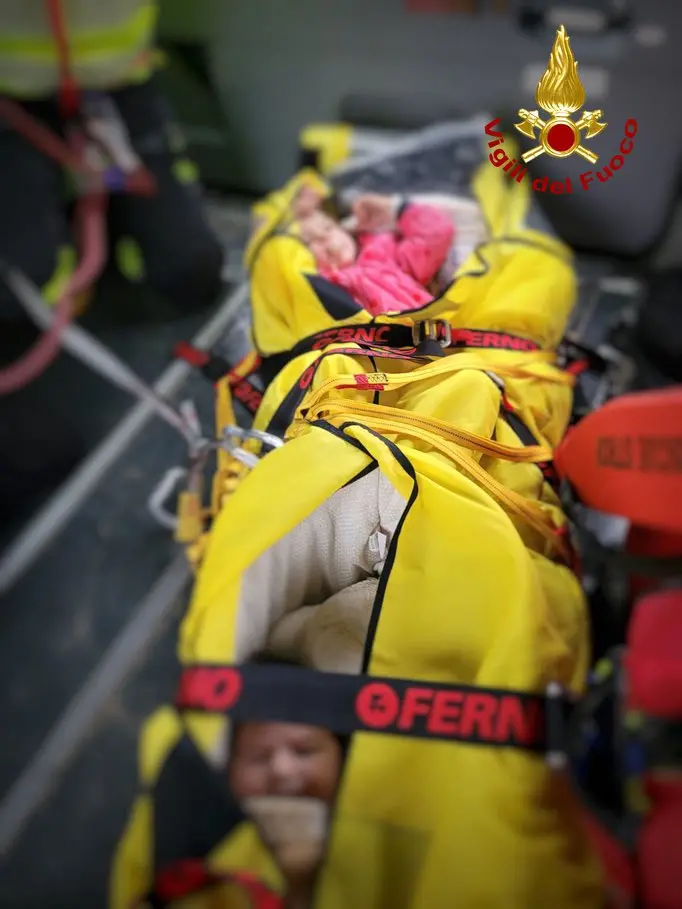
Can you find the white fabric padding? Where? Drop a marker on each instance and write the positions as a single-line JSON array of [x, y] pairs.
[[328, 563], [330, 636], [470, 229]]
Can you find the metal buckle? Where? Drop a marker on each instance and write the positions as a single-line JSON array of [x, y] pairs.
[[555, 718], [190, 478], [432, 330], [234, 437]]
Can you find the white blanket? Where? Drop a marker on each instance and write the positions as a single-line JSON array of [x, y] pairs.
[[309, 598]]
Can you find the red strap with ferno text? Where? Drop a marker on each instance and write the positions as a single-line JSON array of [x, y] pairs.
[[346, 704]]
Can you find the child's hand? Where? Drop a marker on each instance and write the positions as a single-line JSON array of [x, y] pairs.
[[374, 212]]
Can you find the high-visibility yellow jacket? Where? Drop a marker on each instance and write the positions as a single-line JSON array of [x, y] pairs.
[[108, 42]]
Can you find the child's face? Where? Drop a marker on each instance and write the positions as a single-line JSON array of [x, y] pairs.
[[331, 245], [284, 759]]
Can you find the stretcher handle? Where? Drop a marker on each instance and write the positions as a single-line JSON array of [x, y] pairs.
[[170, 482]]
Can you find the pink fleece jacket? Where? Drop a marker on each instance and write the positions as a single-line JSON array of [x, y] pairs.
[[392, 269]]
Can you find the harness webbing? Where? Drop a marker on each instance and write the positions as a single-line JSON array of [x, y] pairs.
[[431, 338], [383, 345], [346, 704]]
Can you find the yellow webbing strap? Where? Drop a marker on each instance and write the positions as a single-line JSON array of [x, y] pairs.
[[406, 422], [539, 368], [229, 470], [193, 517], [441, 436]]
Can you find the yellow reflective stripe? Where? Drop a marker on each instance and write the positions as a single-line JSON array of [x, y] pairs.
[[185, 171], [130, 260], [114, 71], [87, 45], [65, 265]]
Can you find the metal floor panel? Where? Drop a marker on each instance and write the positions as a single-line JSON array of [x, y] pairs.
[[61, 616], [83, 600], [65, 611], [62, 860]]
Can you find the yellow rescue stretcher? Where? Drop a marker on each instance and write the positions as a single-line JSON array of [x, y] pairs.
[[477, 588]]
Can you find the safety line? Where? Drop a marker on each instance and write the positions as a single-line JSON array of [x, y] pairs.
[[52, 518]]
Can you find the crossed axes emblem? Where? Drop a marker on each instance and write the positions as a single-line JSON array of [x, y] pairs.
[[531, 120]]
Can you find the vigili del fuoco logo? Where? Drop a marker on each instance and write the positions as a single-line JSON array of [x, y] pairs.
[[560, 93]]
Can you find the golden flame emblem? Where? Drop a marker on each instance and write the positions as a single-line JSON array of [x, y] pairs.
[[560, 93]]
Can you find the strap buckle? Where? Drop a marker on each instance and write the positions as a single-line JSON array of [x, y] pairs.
[[556, 726], [432, 330]]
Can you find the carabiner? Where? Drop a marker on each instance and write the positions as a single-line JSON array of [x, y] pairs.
[[234, 436]]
